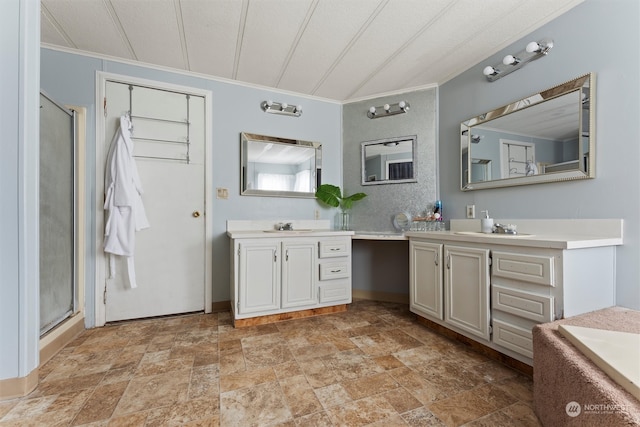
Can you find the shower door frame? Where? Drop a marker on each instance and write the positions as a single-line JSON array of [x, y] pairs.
[[75, 303]]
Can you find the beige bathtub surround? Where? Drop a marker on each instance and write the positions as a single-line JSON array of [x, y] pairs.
[[372, 365]]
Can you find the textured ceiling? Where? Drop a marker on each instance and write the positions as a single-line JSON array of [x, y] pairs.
[[334, 49]]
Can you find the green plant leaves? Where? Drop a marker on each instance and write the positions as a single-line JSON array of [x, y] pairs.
[[332, 196]]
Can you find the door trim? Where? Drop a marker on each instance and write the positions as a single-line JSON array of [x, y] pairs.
[[101, 259]]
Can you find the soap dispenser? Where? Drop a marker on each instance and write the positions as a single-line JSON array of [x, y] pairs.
[[486, 223]]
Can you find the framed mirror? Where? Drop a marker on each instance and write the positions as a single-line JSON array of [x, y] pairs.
[[389, 161], [279, 167], [546, 137]]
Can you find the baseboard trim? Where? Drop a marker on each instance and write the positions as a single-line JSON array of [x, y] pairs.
[[272, 318], [220, 306], [58, 338], [380, 296], [13, 388]]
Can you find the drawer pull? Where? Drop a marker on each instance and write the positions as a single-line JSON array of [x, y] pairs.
[[336, 271], [334, 249]]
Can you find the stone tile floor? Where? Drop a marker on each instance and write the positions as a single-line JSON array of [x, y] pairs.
[[370, 366]]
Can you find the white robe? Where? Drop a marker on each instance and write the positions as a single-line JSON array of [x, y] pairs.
[[125, 212]]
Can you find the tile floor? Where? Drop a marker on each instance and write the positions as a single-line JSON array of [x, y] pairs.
[[370, 366]]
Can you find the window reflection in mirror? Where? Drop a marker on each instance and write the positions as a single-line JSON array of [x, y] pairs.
[[273, 166], [389, 161], [542, 138]]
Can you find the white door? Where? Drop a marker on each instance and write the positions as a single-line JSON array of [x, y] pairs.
[[514, 157], [170, 255]]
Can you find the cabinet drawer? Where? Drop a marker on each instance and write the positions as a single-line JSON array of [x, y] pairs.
[[334, 248], [513, 337], [334, 270], [335, 291], [528, 268], [524, 304]]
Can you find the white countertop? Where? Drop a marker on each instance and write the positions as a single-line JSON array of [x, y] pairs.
[[258, 234], [554, 234], [379, 235], [556, 241]]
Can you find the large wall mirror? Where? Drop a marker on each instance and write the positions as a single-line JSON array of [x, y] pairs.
[[389, 161], [546, 137], [280, 167]]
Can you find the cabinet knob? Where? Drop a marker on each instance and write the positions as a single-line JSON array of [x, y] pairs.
[[196, 214]]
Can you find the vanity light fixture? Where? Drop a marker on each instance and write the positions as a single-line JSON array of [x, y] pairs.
[[510, 63], [388, 110], [270, 106], [475, 139]]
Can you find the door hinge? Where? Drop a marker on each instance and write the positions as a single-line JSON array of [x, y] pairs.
[[104, 106], [490, 261], [104, 295], [490, 330]]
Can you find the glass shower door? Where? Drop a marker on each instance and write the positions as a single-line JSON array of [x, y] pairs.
[[57, 214]]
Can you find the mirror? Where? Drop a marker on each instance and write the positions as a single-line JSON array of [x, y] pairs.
[[389, 161], [280, 167], [546, 137]]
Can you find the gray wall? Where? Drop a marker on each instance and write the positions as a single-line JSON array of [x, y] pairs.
[[70, 79], [376, 211], [600, 36], [383, 266]]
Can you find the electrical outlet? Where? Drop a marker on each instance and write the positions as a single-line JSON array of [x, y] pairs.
[[471, 211], [222, 193]]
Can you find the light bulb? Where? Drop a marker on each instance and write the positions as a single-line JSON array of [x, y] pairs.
[[299, 108], [284, 105], [386, 107], [533, 47], [402, 104], [269, 103], [489, 70], [509, 59], [372, 110]]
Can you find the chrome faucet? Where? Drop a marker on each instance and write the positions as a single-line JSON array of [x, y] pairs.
[[504, 229]]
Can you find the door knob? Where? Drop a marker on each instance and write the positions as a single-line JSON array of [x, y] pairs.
[[196, 214]]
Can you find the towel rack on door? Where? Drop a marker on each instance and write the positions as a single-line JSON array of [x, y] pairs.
[[185, 122]]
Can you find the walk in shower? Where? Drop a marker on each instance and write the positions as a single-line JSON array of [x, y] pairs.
[[58, 281]]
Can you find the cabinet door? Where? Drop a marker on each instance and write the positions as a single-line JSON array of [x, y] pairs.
[[298, 274], [467, 289], [425, 278], [259, 281]]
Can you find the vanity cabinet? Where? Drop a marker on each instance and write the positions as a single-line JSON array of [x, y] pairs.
[[494, 291], [280, 275], [453, 288]]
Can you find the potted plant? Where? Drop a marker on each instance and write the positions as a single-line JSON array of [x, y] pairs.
[[332, 195]]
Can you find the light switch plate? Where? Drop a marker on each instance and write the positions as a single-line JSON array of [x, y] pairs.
[[222, 193], [471, 211]]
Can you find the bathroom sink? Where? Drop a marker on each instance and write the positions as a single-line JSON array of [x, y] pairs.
[[498, 235]]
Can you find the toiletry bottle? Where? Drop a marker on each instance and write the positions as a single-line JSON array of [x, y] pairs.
[[486, 223], [437, 210]]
